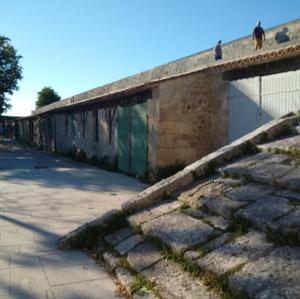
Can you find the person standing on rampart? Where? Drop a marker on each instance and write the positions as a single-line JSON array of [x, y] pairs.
[[218, 51], [258, 35]]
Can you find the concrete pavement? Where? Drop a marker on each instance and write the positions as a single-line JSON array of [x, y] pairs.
[[43, 197]]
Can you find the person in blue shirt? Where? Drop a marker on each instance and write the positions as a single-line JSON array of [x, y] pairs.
[[218, 51], [258, 34]]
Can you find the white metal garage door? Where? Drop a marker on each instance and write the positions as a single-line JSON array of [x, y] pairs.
[[255, 101]]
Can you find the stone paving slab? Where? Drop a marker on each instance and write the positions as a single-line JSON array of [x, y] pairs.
[[266, 173], [281, 292], [217, 222], [288, 194], [237, 168], [128, 244], [119, 236], [96, 289], [190, 232], [250, 192], [219, 241], [80, 273], [173, 283], [229, 182], [264, 211], [279, 158], [211, 189], [291, 180], [242, 250], [221, 206], [24, 281], [5, 282], [289, 223], [144, 256], [153, 212], [195, 213], [277, 273]]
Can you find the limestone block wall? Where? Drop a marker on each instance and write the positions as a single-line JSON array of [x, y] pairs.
[[192, 118], [87, 130]]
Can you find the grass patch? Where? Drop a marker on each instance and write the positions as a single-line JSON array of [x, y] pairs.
[[239, 226], [202, 251], [184, 206], [294, 152], [123, 262], [87, 239], [140, 281], [219, 283], [138, 229], [249, 148]]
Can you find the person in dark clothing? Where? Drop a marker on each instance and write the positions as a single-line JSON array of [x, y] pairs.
[[258, 34], [218, 51]]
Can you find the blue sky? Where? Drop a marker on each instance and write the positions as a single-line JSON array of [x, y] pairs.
[[76, 45]]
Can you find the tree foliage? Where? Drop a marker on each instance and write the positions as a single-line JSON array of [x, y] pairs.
[[10, 72], [46, 96]]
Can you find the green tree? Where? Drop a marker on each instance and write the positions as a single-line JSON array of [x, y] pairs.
[[46, 96], [10, 72]]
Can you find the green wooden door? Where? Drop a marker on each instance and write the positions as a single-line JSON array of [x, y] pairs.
[[123, 139], [132, 139], [139, 130]]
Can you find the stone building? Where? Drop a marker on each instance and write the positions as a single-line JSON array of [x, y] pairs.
[[159, 120]]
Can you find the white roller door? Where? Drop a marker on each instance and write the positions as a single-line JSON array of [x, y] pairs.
[[255, 101]]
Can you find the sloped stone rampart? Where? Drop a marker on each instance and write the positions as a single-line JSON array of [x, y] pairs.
[[200, 168]]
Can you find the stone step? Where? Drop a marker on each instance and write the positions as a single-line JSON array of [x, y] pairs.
[[234, 254], [173, 282], [146, 266], [276, 275], [179, 231]]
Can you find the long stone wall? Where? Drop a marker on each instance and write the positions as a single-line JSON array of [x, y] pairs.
[[240, 48]]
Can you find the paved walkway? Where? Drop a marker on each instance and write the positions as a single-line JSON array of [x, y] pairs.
[[43, 197]]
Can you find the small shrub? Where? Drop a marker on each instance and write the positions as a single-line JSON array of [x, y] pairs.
[[184, 206], [249, 148], [239, 226], [140, 281]]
